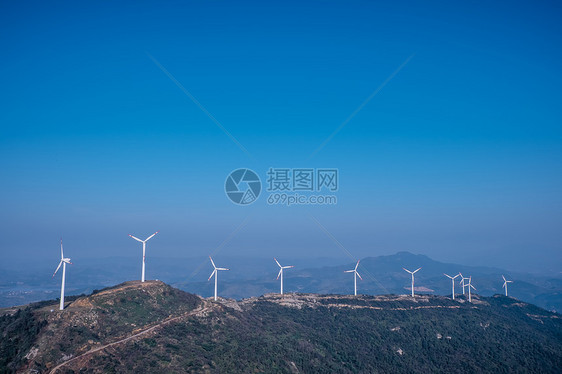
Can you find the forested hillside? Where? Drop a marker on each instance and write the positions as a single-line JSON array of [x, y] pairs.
[[155, 328]]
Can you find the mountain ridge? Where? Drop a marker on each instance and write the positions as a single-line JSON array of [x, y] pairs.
[[252, 277], [383, 275], [152, 326]]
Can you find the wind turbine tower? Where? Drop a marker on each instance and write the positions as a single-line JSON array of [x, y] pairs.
[[63, 262], [463, 283], [281, 268], [355, 275], [412, 272], [215, 273], [143, 250], [470, 286], [505, 282], [452, 283]]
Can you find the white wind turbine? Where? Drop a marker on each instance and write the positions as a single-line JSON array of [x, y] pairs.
[[453, 282], [355, 275], [412, 272], [470, 286], [462, 282], [63, 262], [281, 268], [143, 250], [215, 273], [505, 282]]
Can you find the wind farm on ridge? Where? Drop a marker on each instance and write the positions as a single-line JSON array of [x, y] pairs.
[[465, 282]]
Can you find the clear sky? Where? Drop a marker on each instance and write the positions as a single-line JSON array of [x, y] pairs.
[[457, 156]]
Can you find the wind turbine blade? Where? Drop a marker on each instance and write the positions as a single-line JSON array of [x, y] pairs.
[[288, 267], [504, 279], [212, 262], [416, 270], [277, 262], [134, 237], [474, 288], [359, 275], [356, 265], [448, 276], [61, 254], [58, 267], [147, 239], [280, 271], [222, 269], [348, 271], [407, 270], [213, 273]]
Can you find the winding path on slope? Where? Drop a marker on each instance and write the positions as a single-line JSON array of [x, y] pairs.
[[204, 307]]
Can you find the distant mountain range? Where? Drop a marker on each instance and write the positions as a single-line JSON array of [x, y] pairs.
[[151, 327], [384, 275], [256, 276]]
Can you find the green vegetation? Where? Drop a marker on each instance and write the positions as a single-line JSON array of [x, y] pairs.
[[86, 322], [495, 336], [299, 333], [18, 332]]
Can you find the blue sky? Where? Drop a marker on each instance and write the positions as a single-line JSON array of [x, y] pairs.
[[458, 156]]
